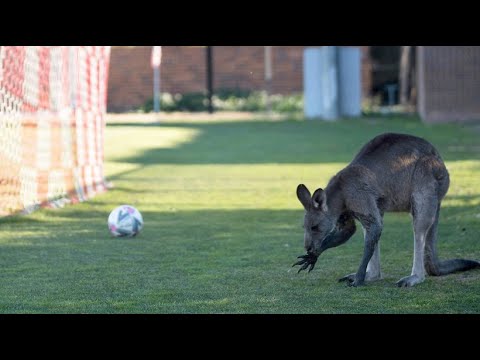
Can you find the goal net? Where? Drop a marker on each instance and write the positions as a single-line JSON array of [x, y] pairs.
[[52, 119]]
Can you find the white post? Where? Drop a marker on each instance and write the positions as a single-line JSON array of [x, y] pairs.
[[320, 83], [155, 63], [156, 89]]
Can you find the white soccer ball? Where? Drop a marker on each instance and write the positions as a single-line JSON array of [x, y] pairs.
[[125, 220]]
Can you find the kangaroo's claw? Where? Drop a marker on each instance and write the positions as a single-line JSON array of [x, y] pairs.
[[303, 261], [303, 267], [306, 261]]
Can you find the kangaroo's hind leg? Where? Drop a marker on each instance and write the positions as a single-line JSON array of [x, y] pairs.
[[424, 218], [425, 204]]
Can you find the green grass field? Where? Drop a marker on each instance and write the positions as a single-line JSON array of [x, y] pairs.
[[223, 226]]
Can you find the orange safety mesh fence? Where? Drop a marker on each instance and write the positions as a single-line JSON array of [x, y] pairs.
[[52, 121]]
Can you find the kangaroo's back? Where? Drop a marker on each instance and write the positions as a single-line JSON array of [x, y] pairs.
[[391, 146], [392, 159]]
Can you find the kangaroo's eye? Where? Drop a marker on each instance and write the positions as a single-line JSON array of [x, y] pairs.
[[314, 228]]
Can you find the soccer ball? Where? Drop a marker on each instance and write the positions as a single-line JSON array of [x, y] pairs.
[[125, 220]]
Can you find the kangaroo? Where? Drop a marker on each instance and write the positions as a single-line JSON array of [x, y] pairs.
[[391, 173]]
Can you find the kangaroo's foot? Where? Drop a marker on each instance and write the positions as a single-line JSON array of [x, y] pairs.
[[350, 278], [411, 280]]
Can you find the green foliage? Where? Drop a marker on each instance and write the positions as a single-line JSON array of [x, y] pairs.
[[225, 93], [287, 104], [228, 100], [192, 102]]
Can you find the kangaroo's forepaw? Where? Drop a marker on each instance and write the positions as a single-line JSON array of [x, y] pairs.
[[306, 261], [408, 281]]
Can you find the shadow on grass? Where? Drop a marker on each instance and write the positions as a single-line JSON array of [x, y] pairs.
[[292, 141], [212, 261], [19, 219]]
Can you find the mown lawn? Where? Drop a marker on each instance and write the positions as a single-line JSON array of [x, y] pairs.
[[223, 226]]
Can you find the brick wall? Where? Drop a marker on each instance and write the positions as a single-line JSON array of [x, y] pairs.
[[183, 70], [448, 79]]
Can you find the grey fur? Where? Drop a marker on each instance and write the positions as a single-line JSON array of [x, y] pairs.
[[392, 172]]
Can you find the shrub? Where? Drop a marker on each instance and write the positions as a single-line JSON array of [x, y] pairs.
[[224, 93], [228, 100], [167, 103], [195, 101]]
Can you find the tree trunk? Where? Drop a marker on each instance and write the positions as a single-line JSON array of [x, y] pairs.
[[405, 65], [413, 78]]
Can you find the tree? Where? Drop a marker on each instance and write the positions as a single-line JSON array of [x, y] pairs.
[[404, 75]]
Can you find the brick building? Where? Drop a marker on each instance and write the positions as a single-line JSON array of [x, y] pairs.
[[183, 70]]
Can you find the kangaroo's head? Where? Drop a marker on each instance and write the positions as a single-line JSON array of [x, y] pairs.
[[318, 222]]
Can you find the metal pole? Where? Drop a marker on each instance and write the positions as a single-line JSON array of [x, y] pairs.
[[156, 89], [209, 79], [268, 75]]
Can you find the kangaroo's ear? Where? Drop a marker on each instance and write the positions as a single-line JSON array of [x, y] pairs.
[[304, 196], [319, 200]]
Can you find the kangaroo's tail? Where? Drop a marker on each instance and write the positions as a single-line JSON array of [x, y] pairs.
[[435, 267], [450, 266]]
